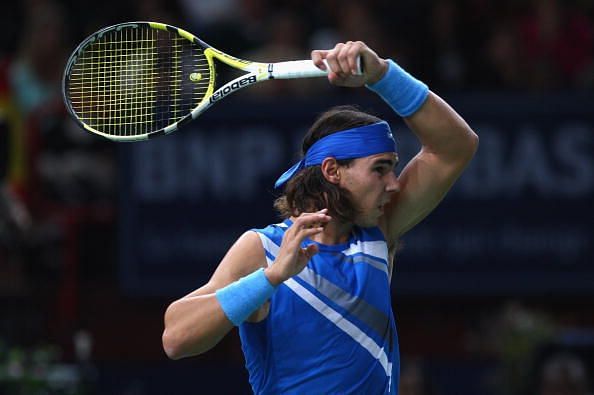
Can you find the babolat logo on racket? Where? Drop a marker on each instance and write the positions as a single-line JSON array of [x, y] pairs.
[[234, 86]]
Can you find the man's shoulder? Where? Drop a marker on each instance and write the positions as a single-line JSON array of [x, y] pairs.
[[273, 231]]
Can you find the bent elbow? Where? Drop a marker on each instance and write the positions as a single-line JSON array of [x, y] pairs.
[[177, 346], [467, 147], [171, 345], [475, 139], [473, 142]]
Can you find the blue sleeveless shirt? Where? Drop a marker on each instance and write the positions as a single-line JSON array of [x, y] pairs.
[[330, 329]]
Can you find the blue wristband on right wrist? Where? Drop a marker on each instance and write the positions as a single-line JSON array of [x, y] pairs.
[[403, 92]]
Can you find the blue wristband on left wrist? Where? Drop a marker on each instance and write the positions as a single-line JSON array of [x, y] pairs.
[[241, 298], [403, 92]]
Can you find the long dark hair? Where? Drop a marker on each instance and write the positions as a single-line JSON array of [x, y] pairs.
[[308, 190]]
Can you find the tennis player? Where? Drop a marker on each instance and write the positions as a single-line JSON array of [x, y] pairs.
[[311, 295]]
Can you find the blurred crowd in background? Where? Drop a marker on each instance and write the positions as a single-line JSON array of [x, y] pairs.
[[58, 186]]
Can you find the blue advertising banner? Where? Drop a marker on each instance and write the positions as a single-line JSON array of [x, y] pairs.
[[520, 220]]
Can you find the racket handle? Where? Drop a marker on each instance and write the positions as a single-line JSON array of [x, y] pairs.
[[303, 69]]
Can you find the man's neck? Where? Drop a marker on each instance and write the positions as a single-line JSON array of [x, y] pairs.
[[335, 232]]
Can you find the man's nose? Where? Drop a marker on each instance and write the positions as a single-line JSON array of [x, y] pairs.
[[393, 185]]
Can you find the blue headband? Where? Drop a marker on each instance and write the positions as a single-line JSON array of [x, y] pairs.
[[347, 144]]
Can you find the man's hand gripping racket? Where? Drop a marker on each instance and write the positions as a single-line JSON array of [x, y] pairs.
[[343, 64]]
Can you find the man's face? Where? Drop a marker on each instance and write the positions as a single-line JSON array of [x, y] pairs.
[[371, 182]]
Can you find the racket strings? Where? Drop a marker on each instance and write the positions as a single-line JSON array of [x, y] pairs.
[[135, 81]]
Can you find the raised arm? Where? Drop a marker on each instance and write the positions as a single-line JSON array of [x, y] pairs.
[[447, 145], [447, 142]]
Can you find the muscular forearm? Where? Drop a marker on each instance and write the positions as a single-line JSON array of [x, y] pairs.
[[193, 325], [442, 131], [439, 128]]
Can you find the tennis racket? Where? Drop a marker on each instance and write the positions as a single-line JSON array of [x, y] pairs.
[[139, 80]]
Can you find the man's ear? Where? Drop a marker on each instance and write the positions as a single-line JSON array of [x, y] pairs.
[[331, 170]]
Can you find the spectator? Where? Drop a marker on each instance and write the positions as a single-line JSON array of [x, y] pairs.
[[557, 43], [564, 374], [501, 58], [448, 66], [413, 380]]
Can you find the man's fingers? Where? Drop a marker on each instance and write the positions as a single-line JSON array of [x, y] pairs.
[[336, 79], [299, 235], [353, 55], [344, 63], [293, 241], [306, 225], [318, 56], [304, 233], [312, 231], [308, 216], [343, 59], [332, 58], [310, 251], [322, 211], [308, 220]]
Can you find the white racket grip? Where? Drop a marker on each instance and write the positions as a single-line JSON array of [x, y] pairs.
[[302, 69]]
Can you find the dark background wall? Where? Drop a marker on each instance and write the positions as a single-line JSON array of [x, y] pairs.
[[492, 293]]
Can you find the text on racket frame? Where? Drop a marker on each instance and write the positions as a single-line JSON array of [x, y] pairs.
[[234, 86]]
